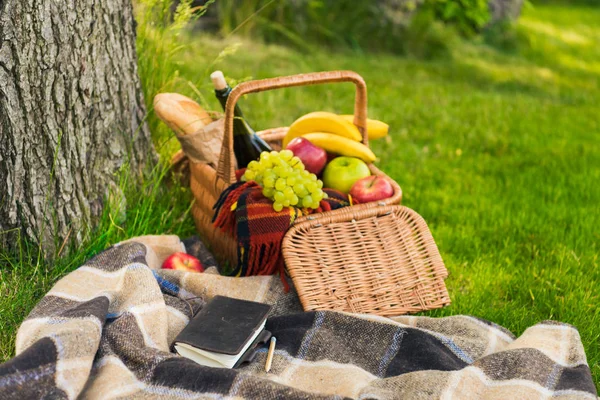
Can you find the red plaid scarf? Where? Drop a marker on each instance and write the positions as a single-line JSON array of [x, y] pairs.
[[248, 216]]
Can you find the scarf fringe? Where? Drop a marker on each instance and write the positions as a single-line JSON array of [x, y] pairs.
[[223, 217]]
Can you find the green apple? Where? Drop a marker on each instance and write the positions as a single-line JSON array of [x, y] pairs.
[[342, 172]]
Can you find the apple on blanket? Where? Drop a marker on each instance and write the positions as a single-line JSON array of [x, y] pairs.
[[183, 262]]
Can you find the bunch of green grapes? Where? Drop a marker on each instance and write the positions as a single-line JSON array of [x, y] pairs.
[[285, 181]]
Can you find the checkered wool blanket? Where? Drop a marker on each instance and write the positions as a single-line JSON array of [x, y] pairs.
[[104, 330]]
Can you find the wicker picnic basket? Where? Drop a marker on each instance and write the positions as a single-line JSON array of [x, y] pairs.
[[207, 183], [376, 258]]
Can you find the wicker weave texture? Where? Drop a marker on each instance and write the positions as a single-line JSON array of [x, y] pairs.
[[361, 259], [206, 188]]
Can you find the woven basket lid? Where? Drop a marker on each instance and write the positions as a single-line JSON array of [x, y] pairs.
[[364, 259]]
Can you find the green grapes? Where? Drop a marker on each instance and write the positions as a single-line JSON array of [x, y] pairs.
[[307, 201], [278, 197], [280, 184], [285, 181]]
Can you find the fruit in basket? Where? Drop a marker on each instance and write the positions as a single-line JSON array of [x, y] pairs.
[[342, 172], [371, 188], [376, 129], [314, 158], [183, 262], [322, 121], [285, 180], [341, 145]]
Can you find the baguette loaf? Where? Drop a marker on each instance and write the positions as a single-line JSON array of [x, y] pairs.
[[182, 114]]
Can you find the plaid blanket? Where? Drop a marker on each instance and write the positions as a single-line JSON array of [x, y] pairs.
[[104, 330]]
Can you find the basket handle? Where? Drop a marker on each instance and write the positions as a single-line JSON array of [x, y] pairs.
[[226, 167]]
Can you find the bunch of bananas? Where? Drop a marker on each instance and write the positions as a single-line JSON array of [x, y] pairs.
[[336, 133]]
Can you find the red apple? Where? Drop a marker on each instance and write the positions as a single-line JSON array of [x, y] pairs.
[[183, 262], [371, 188], [314, 158]]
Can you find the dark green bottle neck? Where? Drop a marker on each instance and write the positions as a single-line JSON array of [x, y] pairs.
[[240, 126], [222, 96]]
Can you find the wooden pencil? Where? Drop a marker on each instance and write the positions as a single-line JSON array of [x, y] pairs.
[[270, 354]]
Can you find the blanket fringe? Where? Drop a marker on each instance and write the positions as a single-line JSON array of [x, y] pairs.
[[222, 218]]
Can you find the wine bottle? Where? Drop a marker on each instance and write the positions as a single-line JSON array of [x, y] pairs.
[[247, 145]]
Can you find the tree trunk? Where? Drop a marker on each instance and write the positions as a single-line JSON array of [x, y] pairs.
[[71, 113]]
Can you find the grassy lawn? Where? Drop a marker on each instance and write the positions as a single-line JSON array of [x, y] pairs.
[[498, 151]]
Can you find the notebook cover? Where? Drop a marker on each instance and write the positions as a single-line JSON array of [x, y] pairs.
[[224, 325]]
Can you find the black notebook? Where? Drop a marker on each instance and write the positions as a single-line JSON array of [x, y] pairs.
[[224, 332]]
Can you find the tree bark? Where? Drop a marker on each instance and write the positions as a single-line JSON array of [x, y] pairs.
[[71, 113]]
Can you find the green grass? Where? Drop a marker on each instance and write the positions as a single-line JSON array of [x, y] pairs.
[[498, 151]]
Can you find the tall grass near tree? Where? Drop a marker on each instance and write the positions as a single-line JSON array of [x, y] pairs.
[[160, 43]]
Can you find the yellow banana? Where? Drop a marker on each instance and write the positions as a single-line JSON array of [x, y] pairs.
[[340, 145], [376, 129], [322, 121]]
